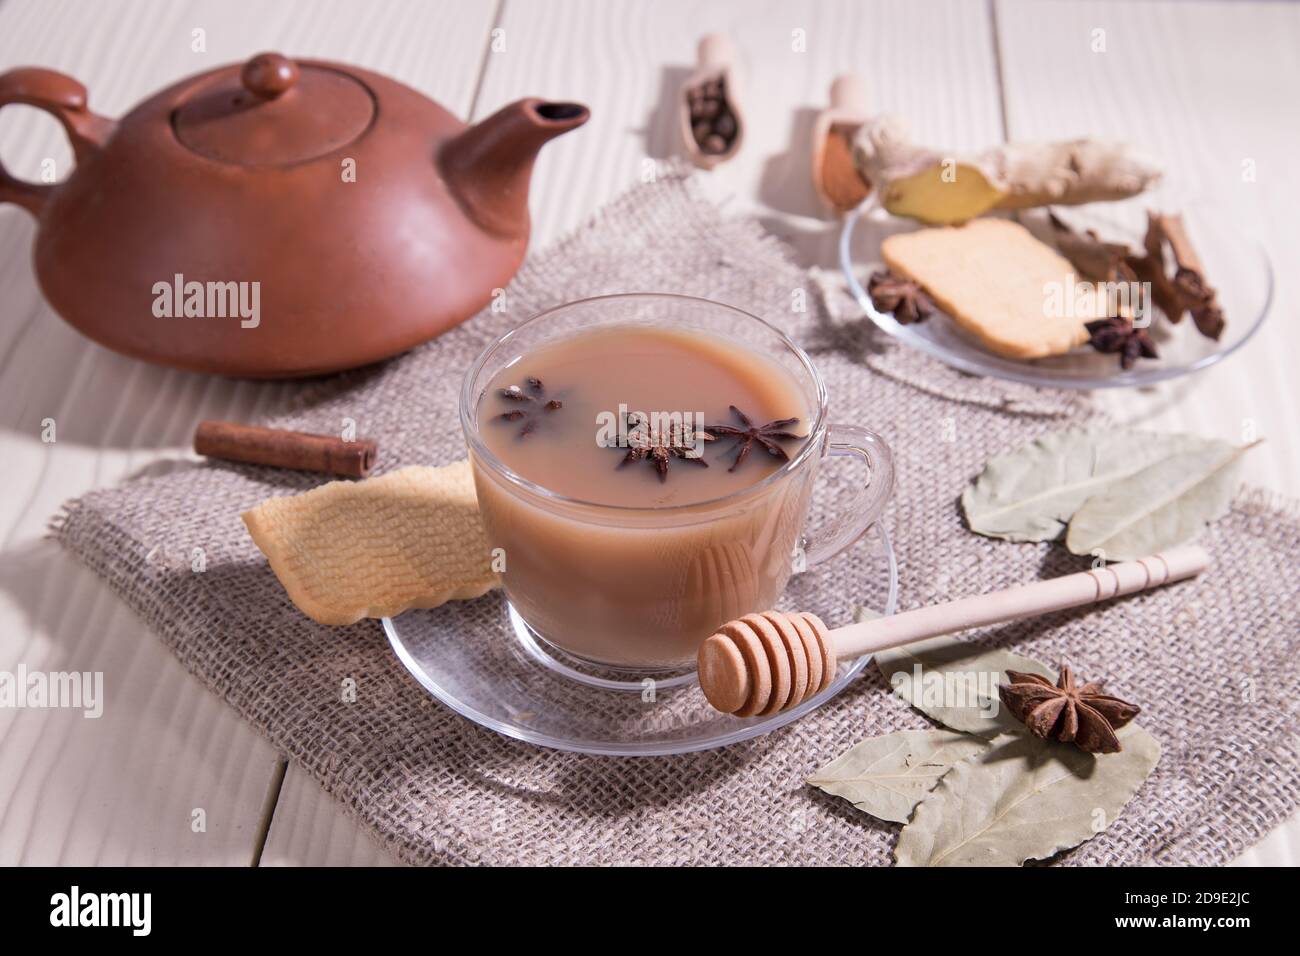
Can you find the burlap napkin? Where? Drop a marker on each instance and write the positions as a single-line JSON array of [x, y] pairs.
[[1213, 662]]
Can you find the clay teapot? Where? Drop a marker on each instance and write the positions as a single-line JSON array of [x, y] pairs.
[[278, 218]]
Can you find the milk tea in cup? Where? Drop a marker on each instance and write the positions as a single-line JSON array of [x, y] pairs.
[[629, 478]]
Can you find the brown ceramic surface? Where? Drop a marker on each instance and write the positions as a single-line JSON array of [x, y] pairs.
[[238, 176]]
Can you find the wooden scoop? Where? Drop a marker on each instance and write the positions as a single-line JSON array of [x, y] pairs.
[[712, 121], [835, 177], [764, 663]]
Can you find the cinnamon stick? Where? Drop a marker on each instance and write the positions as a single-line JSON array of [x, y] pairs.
[[1175, 233], [279, 448], [1194, 292]]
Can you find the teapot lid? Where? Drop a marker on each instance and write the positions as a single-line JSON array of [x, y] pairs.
[[274, 112]]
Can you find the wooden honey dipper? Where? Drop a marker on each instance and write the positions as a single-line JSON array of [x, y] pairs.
[[764, 663]]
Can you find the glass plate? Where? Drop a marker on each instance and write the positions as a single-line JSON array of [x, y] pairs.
[[1235, 263], [511, 681]]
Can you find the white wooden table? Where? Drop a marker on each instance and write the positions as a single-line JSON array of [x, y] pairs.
[[1211, 87]]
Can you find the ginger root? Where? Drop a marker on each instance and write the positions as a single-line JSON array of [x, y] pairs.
[[919, 183], [923, 184]]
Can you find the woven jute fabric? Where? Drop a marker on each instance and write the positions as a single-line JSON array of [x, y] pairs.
[[1211, 661]]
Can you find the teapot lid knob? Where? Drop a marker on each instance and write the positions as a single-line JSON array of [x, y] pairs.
[[268, 75]]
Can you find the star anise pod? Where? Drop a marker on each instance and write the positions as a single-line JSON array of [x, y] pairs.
[[1118, 335], [1080, 714], [766, 435], [533, 402], [902, 297], [660, 448]]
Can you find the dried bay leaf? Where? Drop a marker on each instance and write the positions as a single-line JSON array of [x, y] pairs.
[[887, 776], [956, 682], [1165, 504], [1030, 494], [1024, 799]]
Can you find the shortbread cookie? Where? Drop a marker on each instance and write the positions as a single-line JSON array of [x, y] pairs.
[[373, 548], [996, 281]]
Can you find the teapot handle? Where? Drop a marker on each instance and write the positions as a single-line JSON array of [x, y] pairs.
[[64, 99]]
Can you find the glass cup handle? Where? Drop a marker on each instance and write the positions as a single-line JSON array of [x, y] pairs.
[[867, 505]]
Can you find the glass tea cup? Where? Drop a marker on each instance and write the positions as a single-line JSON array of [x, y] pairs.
[[639, 588]]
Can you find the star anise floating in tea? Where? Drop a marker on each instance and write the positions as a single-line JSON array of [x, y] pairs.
[[1079, 714], [1118, 334], [533, 404], [660, 447], [905, 299], [748, 433]]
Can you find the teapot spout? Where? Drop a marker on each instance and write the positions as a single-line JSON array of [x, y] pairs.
[[489, 165]]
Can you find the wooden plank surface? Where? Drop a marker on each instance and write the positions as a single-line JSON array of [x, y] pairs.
[[627, 62], [311, 829], [124, 788]]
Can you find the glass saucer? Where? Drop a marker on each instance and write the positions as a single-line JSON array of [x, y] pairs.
[[508, 679], [1235, 263]]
